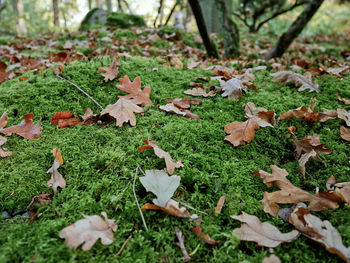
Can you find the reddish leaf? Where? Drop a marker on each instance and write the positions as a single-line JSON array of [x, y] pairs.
[[241, 132], [199, 232], [345, 133], [136, 95], [26, 128], [111, 72], [61, 115], [171, 208], [220, 204]]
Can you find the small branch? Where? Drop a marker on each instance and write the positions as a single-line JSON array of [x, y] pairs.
[[137, 202], [190, 207], [181, 244], [123, 246], [82, 91]]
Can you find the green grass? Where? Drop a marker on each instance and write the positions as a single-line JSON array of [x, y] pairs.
[[100, 162]]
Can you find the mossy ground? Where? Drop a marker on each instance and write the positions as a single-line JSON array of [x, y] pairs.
[[100, 163]]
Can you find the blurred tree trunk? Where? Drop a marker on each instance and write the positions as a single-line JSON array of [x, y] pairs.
[[120, 8], [294, 30], [171, 12], [99, 3], [21, 26], [188, 18], [159, 13], [229, 29], [109, 5], [197, 12], [55, 9], [90, 4], [2, 6]]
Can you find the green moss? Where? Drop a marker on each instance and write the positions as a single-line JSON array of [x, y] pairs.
[[100, 162], [129, 35], [123, 20]]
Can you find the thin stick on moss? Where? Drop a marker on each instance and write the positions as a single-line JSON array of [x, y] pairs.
[[123, 246], [82, 91], [190, 207], [137, 202]]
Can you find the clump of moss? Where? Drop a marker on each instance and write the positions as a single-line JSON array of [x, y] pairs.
[[122, 20]]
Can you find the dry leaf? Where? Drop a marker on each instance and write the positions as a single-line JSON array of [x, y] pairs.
[[346, 101], [88, 231], [170, 164], [233, 89], [297, 79], [123, 111], [263, 117], [136, 95], [176, 62], [3, 74], [171, 208], [308, 147], [345, 133], [272, 259], [161, 184], [65, 119], [181, 244], [3, 151], [183, 103], [171, 108], [289, 194], [344, 115], [320, 231], [56, 179], [111, 72], [306, 113], [241, 132], [199, 232], [3, 120], [264, 234], [200, 92], [338, 191], [26, 128], [220, 204]]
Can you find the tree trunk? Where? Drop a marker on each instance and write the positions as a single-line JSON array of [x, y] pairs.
[[171, 13], [159, 12], [120, 8], [55, 9], [90, 4], [109, 5], [21, 27], [294, 30], [229, 30], [188, 18], [197, 11], [99, 3]]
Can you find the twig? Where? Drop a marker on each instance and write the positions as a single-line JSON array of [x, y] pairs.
[[190, 207], [122, 248], [181, 244], [86, 94], [137, 202]]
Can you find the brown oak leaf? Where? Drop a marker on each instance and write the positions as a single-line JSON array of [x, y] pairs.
[[272, 259], [199, 232], [65, 119], [263, 117], [200, 92], [233, 89], [88, 231], [241, 133], [170, 164], [3, 74], [111, 72], [25, 129], [345, 133], [304, 82], [172, 108], [264, 234], [56, 179], [183, 103], [123, 111], [136, 95], [289, 194], [320, 231], [3, 151], [346, 101], [308, 147], [337, 190], [344, 115]]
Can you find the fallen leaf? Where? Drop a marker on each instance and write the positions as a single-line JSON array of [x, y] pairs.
[[88, 231], [136, 95], [346, 101], [181, 244], [263, 117], [199, 232], [264, 234], [56, 179], [344, 115], [337, 190], [183, 103], [3, 120], [111, 72], [3, 151], [241, 133], [345, 133], [306, 113], [65, 119], [3, 74], [161, 184], [220, 204], [176, 62], [200, 92], [171, 208], [320, 231], [308, 147], [297, 79], [289, 194], [271, 259], [171, 108], [26, 128], [233, 89], [123, 111]]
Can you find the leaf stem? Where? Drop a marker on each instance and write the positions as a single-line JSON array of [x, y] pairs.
[[137, 202]]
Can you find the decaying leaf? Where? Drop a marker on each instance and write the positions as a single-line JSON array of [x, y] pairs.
[[123, 111], [304, 82], [183, 103], [337, 190], [176, 62], [180, 107], [171, 108], [111, 72], [3, 120], [309, 146], [56, 179], [220, 205], [136, 95], [346, 101], [26, 128], [289, 194], [263, 117], [170, 164], [3, 151], [200, 92], [161, 184], [65, 119], [344, 115], [3, 74], [88, 231], [241, 133], [233, 89], [171, 208], [272, 259], [181, 244], [320, 231], [199, 232], [264, 234], [345, 133]]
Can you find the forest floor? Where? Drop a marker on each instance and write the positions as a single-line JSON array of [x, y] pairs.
[[100, 160]]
